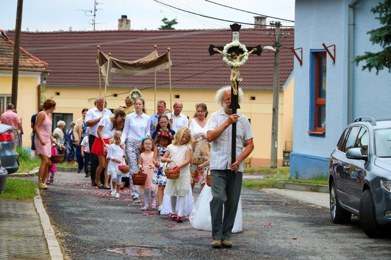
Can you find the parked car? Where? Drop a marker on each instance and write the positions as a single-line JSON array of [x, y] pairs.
[[360, 176], [8, 157]]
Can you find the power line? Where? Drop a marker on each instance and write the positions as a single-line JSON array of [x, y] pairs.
[[245, 11], [202, 15]]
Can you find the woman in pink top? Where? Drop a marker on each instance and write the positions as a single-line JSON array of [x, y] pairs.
[[43, 139]]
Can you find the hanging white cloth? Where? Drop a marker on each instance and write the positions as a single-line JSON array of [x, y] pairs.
[[200, 216]]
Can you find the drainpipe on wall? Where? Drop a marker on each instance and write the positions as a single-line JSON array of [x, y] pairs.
[[351, 24]]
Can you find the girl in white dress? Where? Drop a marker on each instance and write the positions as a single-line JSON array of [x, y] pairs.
[[179, 154], [115, 157]]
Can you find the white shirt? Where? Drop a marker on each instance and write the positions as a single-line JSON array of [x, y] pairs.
[[60, 133], [136, 127], [220, 152], [196, 130], [94, 113], [179, 121], [84, 143], [107, 130]]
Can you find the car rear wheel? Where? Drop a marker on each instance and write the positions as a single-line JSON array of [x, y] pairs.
[[367, 216], [338, 215]]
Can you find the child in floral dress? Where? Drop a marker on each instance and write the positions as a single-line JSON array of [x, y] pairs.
[[178, 154], [147, 166], [163, 139]]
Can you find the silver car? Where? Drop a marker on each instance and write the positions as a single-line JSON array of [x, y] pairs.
[[8, 157], [360, 176]]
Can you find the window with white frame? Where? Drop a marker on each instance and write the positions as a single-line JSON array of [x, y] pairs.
[[4, 101], [318, 80]]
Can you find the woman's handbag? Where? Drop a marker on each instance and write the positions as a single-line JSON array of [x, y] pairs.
[[200, 152]]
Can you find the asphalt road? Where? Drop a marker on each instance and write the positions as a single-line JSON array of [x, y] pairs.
[[91, 225]]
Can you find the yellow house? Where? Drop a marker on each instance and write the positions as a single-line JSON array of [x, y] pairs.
[[31, 71], [74, 81]]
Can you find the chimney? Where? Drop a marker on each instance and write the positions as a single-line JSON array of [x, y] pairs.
[[123, 23], [259, 21]]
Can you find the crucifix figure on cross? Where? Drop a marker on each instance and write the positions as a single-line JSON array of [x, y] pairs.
[[235, 70], [235, 55]]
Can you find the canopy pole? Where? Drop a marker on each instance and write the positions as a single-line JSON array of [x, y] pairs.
[[108, 72], [169, 78], [154, 98], [155, 83], [100, 84]]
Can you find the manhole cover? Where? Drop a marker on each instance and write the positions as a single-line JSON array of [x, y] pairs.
[[136, 251]]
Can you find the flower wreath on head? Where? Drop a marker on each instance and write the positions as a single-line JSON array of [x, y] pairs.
[[135, 94], [240, 46], [165, 134]]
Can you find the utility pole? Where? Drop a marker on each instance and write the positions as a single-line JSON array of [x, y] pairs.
[[15, 66], [94, 14], [276, 93]]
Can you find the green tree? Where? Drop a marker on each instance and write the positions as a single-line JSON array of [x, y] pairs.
[[382, 59], [168, 24]]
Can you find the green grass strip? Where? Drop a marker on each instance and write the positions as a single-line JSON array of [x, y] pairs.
[[19, 189]]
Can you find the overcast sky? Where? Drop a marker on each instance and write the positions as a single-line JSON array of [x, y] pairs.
[[54, 15]]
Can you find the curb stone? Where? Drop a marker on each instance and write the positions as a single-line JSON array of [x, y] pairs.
[[51, 240], [303, 187]]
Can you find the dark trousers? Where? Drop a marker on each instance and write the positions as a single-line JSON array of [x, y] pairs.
[[93, 158], [226, 188], [80, 160], [86, 162]]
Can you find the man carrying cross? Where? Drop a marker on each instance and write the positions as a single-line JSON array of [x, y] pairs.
[[226, 174], [227, 127]]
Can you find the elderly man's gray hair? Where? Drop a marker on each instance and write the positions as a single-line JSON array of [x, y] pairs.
[[220, 94]]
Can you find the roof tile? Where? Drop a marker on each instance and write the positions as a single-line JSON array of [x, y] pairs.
[[72, 56]]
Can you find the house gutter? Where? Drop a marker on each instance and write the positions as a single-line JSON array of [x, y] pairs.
[[351, 27]]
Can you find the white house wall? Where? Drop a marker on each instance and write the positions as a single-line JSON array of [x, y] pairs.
[[318, 22], [327, 22]]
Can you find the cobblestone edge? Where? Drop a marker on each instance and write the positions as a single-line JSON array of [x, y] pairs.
[[50, 236]]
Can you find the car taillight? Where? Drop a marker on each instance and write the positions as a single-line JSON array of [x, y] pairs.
[[6, 136]]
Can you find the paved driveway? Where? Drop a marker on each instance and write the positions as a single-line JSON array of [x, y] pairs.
[[92, 225]]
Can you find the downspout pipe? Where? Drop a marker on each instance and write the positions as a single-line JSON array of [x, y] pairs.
[[351, 52]]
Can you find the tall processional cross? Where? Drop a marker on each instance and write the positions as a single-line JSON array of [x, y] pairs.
[[235, 55]]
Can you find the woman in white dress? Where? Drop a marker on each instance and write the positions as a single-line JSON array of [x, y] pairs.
[[197, 126]]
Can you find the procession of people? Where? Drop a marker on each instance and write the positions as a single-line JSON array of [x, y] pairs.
[[174, 153]]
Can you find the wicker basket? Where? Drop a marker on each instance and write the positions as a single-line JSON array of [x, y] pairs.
[[57, 158], [124, 168], [172, 174], [139, 178]]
